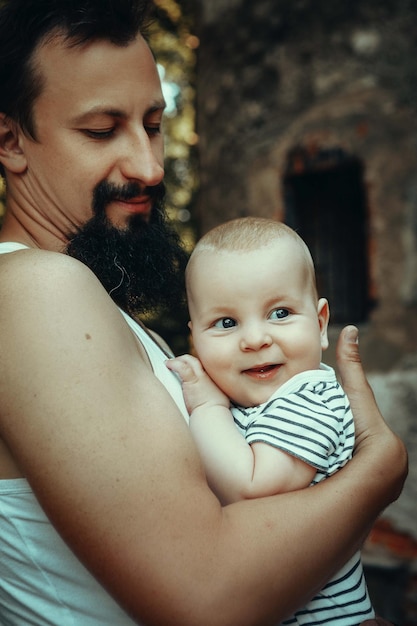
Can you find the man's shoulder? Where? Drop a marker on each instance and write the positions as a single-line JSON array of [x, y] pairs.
[[39, 273], [53, 310], [36, 256], [38, 285]]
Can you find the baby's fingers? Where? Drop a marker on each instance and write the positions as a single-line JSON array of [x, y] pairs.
[[187, 367]]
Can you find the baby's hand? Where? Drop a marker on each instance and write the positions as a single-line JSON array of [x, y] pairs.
[[198, 388]]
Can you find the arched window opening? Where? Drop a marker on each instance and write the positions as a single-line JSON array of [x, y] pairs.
[[325, 202]]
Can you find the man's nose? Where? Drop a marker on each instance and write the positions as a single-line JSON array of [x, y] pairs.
[[255, 337], [142, 160]]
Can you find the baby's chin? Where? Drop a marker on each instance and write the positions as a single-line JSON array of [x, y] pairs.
[[250, 401]]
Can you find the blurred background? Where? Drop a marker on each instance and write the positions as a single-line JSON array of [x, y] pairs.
[[305, 111]]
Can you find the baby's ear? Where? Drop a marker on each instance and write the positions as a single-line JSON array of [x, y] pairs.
[[190, 326], [12, 155], [323, 314]]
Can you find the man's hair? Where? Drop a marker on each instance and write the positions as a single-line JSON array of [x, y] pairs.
[[249, 233], [25, 24]]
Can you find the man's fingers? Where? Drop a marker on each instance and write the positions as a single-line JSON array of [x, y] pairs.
[[350, 368], [348, 358], [361, 398]]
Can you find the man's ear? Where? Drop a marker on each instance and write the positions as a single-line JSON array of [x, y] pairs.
[[323, 313], [11, 153]]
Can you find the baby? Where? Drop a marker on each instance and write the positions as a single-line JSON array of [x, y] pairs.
[[266, 414]]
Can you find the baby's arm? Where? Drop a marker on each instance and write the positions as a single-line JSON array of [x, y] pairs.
[[235, 470]]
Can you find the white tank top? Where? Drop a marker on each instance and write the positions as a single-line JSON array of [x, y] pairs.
[[41, 581]]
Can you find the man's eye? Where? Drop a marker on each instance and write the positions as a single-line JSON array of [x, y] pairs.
[[225, 322], [153, 130], [279, 314], [99, 134]]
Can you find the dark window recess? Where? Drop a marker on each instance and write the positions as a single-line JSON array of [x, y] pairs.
[[325, 202]]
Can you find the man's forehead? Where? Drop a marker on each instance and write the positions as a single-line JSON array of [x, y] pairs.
[[56, 48], [100, 76]]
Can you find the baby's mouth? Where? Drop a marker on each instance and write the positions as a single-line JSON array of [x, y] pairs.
[[263, 371]]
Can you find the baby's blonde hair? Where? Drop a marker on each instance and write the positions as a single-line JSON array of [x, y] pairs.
[[249, 233]]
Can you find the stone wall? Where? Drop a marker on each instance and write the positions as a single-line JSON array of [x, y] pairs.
[[314, 75], [396, 394]]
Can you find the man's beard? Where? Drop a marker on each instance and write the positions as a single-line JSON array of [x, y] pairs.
[[141, 267]]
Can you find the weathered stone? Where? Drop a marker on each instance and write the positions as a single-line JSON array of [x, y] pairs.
[[274, 76]]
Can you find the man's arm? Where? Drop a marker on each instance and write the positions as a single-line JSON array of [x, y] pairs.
[[114, 466]]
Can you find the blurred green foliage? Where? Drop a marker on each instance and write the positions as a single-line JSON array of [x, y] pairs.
[[174, 45]]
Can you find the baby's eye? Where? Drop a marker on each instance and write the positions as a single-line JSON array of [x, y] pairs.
[[225, 322], [279, 314]]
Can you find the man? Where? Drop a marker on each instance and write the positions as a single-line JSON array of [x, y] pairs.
[[95, 452]]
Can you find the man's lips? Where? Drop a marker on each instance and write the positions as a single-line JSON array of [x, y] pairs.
[[141, 205], [263, 372]]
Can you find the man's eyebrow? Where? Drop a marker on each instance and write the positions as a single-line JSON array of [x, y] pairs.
[[99, 110]]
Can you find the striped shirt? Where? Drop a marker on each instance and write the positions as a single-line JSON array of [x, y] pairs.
[[309, 417]]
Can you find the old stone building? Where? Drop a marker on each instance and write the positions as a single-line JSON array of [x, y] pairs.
[[307, 113]]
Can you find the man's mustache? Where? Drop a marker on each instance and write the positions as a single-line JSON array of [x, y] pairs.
[[106, 192]]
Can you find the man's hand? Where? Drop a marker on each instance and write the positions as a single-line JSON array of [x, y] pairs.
[[370, 426], [361, 397]]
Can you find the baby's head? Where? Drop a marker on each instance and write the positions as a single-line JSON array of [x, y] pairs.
[[256, 319], [243, 235]]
